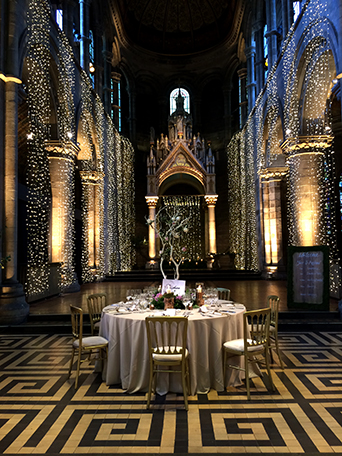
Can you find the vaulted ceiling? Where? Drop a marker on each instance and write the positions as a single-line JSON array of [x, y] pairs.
[[178, 27]]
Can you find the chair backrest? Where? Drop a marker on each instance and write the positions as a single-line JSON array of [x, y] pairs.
[[273, 303], [164, 334], [76, 322], [223, 293], [96, 302], [256, 327]]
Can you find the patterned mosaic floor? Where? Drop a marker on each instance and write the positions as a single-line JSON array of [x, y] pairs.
[[42, 414]]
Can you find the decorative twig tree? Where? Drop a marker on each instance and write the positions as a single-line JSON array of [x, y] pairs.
[[170, 227]]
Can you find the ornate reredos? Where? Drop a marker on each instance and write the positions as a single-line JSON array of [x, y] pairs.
[[180, 153], [181, 160]]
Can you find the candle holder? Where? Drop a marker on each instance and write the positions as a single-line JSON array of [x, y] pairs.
[[199, 298]]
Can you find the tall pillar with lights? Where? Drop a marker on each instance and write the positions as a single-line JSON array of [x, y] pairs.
[[211, 203], [152, 204], [271, 189], [91, 231], [62, 237], [13, 306], [306, 188]]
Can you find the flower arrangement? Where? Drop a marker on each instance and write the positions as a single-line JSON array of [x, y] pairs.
[[171, 228], [158, 300]]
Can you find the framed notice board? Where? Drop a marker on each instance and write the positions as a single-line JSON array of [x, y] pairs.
[[308, 278]]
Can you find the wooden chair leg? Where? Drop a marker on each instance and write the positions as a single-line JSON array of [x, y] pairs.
[[71, 361], [149, 388], [247, 377], [278, 351], [268, 368], [78, 367], [224, 368], [184, 386]]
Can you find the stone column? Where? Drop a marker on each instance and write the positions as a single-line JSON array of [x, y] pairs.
[[251, 86], [13, 306], [98, 59], [90, 181], [242, 74], [272, 33], [107, 91], [271, 180], [197, 113], [68, 26], [259, 55], [132, 119], [211, 203], [284, 17], [306, 189], [115, 102], [227, 112], [84, 32], [62, 241], [152, 204], [289, 13]]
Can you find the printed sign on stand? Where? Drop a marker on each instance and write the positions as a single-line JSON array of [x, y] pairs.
[[175, 286]]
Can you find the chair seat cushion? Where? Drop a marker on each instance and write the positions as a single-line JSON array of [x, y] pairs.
[[97, 324], [236, 347], [173, 354], [272, 329], [92, 341]]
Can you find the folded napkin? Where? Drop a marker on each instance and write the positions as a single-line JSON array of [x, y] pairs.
[[203, 309]]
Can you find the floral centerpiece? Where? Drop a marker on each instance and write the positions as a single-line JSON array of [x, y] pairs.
[[158, 300], [170, 228]]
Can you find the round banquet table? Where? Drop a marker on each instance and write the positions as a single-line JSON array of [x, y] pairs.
[[128, 358]]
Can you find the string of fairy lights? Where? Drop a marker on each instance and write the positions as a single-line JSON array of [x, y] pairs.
[[38, 179], [189, 207], [307, 128], [67, 133], [107, 168], [241, 200]]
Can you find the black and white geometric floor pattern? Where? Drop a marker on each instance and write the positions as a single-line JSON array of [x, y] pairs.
[[41, 413]]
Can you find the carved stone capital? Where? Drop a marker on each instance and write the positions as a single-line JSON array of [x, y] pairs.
[[211, 200], [275, 173], [91, 177], [308, 144], [151, 201], [67, 151]]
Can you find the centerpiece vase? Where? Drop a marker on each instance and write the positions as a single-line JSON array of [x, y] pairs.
[[169, 303]]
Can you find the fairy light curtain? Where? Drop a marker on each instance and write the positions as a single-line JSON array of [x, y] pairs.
[[243, 240], [38, 178], [190, 206]]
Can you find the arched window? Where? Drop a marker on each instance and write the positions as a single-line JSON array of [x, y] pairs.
[[173, 98], [91, 58]]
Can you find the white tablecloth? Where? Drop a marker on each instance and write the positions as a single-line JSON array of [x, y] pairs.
[[128, 360]]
